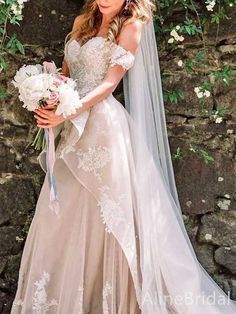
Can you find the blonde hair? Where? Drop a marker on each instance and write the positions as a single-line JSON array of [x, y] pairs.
[[89, 21]]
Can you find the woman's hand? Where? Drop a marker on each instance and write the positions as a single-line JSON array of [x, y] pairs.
[[46, 118]]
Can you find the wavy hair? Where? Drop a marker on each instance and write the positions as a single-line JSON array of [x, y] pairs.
[[90, 19]]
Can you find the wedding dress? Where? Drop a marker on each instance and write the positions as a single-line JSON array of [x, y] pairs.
[[90, 256]]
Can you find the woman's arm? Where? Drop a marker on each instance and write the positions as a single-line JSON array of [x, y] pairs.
[[129, 39], [65, 69]]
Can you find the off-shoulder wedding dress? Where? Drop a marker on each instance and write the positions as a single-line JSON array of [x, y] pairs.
[[90, 256]]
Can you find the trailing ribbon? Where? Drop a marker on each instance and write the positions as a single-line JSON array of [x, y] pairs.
[[50, 161]]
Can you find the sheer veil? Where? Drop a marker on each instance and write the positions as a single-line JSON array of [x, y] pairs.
[[173, 281]]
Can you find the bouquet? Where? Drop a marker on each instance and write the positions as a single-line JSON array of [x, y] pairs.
[[40, 85]]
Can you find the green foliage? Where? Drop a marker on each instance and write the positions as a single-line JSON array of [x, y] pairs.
[[181, 23], [199, 152], [173, 96], [10, 13]]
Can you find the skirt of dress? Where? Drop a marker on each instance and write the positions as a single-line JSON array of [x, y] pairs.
[[66, 262]]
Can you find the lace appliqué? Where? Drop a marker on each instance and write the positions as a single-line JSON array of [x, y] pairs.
[[112, 212], [40, 303], [107, 290], [15, 305], [79, 305], [93, 159], [122, 57], [88, 63]]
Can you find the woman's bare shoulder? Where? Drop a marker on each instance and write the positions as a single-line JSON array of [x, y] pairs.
[[131, 29]]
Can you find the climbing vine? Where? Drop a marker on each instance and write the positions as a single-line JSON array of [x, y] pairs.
[[193, 20], [10, 13]]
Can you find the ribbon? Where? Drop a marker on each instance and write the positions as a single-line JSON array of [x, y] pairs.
[[50, 161]]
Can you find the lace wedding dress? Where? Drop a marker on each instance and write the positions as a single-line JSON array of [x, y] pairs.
[[72, 263], [90, 257]]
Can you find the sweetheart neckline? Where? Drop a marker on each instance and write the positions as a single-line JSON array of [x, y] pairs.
[[98, 37]]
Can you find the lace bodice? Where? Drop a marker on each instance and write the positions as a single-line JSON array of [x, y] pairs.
[[89, 63]]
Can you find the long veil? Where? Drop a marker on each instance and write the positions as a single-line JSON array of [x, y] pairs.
[[173, 280]]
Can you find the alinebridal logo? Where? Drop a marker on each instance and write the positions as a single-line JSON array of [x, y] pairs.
[[187, 299]]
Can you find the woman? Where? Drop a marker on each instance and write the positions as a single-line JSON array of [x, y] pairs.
[[116, 244]]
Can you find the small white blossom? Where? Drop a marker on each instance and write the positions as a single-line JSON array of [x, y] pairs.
[[177, 27], [218, 120], [207, 93], [220, 179], [171, 40], [176, 36], [174, 33], [210, 5], [224, 204], [200, 95], [180, 63], [208, 236]]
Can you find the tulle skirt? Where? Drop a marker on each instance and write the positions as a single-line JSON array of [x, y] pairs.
[[71, 265], [119, 244]]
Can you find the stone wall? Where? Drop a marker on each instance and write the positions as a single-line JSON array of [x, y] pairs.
[[207, 192]]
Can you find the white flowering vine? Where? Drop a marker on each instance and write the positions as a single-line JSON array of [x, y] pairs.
[[210, 5], [201, 93]]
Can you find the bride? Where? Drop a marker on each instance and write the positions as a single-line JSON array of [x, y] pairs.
[[117, 243]]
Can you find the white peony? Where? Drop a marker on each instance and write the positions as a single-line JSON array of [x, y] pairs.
[[69, 100], [25, 72], [35, 88]]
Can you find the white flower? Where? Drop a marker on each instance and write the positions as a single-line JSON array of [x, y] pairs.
[[220, 179], [224, 204], [22, 1], [177, 27], [210, 5], [208, 236], [35, 88], [69, 100], [176, 36], [17, 9], [218, 120], [180, 63], [25, 72], [207, 93], [200, 95], [174, 33], [170, 40]]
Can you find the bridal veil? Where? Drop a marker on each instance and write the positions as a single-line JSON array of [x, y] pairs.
[[173, 281]]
